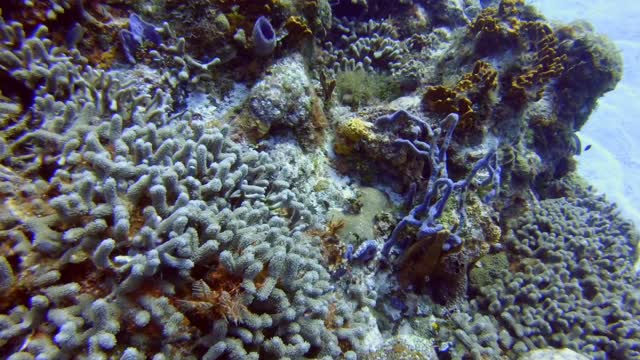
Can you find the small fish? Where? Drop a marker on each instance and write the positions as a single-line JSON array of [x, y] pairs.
[[587, 147]]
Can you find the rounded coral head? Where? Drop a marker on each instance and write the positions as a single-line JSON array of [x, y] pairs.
[[264, 37]]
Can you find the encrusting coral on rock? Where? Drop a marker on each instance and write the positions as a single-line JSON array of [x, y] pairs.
[[304, 179]]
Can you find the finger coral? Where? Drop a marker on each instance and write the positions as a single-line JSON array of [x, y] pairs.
[[559, 265], [140, 209]]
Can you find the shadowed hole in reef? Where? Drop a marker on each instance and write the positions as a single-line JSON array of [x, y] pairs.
[[48, 168], [346, 8], [91, 280], [14, 88]]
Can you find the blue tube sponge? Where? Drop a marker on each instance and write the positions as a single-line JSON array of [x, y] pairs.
[[264, 37]]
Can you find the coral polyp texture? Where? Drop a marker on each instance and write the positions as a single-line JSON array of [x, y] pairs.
[[571, 286], [162, 227], [304, 180]]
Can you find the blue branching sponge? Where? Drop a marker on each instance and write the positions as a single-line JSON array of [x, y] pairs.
[[439, 188]]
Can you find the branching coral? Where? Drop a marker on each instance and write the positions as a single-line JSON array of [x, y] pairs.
[[138, 205], [371, 46], [134, 225]]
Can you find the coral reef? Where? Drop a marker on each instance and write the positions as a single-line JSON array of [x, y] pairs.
[[358, 87], [371, 46], [409, 347], [225, 29], [139, 32], [238, 179], [553, 354], [526, 98], [478, 335], [583, 49], [570, 281], [359, 219], [142, 223], [471, 98]]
